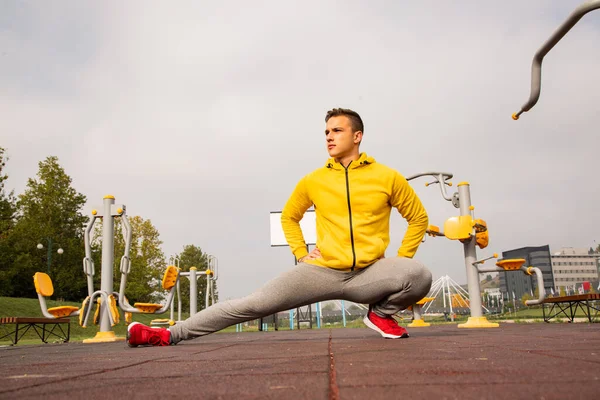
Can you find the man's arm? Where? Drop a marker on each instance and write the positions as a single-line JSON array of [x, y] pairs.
[[410, 207], [292, 213]]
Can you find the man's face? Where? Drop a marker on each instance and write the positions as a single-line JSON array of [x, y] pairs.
[[342, 141]]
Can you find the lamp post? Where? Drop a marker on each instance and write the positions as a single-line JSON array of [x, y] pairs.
[[49, 258]]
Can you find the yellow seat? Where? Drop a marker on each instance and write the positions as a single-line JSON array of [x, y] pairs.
[[511, 264], [169, 280], [63, 311], [170, 277], [44, 288], [457, 228], [43, 284]]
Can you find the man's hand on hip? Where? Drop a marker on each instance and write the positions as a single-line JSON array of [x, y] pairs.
[[311, 256]]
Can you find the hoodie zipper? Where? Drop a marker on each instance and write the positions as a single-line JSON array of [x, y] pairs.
[[350, 216]]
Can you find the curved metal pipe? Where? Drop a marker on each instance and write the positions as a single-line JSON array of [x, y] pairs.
[[536, 65], [440, 177], [540, 285]]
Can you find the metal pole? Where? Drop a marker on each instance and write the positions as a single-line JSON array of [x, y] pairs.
[[193, 291], [178, 300], [49, 258], [207, 289], [318, 306], [450, 298], [108, 255], [343, 313], [476, 320]]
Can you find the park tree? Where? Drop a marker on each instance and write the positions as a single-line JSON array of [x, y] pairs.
[[48, 213], [147, 259], [7, 223], [7, 199]]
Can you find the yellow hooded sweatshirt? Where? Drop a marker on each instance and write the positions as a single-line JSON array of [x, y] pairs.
[[352, 207]]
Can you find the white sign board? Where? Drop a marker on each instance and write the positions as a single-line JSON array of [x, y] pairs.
[[308, 224]]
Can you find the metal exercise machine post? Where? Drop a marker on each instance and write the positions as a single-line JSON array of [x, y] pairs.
[[471, 233], [193, 274], [107, 317], [536, 66]]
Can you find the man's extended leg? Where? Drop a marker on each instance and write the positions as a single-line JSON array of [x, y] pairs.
[[388, 286], [303, 284]]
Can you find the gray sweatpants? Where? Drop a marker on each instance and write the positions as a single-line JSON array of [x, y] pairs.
[[388, 286]]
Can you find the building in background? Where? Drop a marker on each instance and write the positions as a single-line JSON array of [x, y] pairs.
[[519, 283], [573, 267]]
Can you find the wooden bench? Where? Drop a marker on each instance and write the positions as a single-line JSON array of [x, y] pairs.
[[24, 324], [571, 304]]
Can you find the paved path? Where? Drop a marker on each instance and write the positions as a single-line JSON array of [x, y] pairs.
[[515, 361]]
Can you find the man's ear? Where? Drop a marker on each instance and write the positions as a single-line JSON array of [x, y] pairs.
[[358, 136]]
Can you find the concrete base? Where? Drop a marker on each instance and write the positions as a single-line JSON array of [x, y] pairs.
[[418, 323], [104, 337], [478, 322]]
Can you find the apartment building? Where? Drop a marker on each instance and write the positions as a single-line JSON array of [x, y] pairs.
[[572, 266]]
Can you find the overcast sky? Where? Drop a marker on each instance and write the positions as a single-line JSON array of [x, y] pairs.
[[202, 116]]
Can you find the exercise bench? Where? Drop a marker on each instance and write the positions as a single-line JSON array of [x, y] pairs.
[[560, 306]]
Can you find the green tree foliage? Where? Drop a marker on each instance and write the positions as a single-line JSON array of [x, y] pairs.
[[7, 200], [192, 256], [49, 209], [147, 260], [7, 222]]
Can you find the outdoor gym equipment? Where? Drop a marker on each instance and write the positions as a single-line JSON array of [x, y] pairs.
[[106, 313], [211, 273], [169, 281], [536, 67], [472, 232]]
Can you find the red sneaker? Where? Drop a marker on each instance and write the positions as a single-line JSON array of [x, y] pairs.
[[140, 334], [387, 327]]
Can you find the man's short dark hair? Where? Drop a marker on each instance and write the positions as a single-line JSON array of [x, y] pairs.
[[355, 120]]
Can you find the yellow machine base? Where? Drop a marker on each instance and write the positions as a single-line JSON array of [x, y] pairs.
[[418, 323], [103, 337], [478, 322]]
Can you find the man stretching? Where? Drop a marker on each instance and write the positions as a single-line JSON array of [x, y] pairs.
[[352, 196]]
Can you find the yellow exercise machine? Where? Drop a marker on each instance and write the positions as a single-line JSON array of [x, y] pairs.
[[472, 233]]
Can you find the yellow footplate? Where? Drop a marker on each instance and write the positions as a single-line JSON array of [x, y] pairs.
[[148, 308], [114, 311], [425, 300]]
